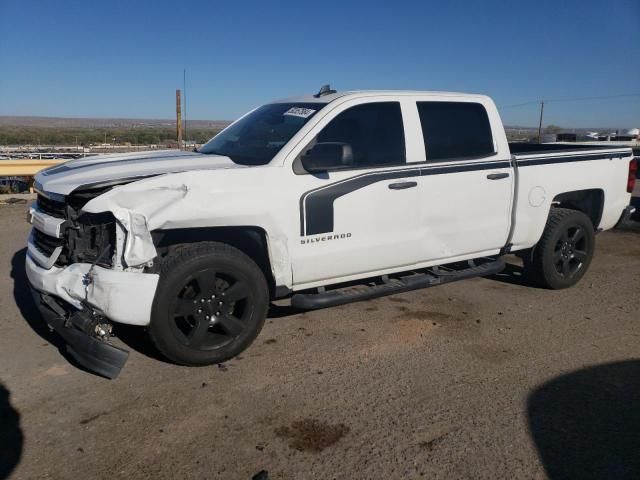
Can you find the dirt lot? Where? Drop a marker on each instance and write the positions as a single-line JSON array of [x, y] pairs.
[[485, 378]]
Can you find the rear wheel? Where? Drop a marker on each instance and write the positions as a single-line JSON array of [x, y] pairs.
[[564, 253], [210, 304]]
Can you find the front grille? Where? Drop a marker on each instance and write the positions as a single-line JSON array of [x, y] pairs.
[[86, 238], [46, 244], [93, 240], [51, 207]]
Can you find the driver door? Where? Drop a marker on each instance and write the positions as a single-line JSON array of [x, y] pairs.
[[359, 212]]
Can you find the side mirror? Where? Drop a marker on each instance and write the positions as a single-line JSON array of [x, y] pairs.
[[327, 155]]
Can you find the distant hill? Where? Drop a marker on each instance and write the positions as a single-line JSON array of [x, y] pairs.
[[62, 122]]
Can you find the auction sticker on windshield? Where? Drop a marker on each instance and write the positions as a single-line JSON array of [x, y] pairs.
[[300, 112]]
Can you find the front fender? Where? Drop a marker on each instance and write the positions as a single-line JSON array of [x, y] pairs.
[[136, 212], [194, 200]]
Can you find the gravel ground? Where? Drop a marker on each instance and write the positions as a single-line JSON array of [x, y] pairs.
[[486, 378]]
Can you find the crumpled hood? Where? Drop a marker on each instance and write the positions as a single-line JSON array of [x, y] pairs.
[[68, 176]]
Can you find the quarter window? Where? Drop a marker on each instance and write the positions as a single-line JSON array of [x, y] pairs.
[[455, 130], [373, 131]]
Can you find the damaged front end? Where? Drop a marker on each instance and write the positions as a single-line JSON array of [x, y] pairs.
[[81, 281]]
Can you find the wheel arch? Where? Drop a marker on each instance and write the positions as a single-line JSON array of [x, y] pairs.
[[253, 241], [588, 201]]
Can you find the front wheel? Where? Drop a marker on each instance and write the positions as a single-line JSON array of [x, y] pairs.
[[210, 304], [564, 253]]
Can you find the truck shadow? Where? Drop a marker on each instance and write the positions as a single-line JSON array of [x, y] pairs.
[[586, 424], [512, 274], [11, 437], [283, 311], [133, 337], [25, 303], [136, 338]]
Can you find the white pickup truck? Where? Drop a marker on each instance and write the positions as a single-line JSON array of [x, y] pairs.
[[323, 199]]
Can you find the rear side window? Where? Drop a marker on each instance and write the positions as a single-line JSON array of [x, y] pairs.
[[455, 130], [374, 131]]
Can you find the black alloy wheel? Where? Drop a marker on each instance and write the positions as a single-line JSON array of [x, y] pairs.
[[210, 309], [210, 304], [564, 252], [571, 251]]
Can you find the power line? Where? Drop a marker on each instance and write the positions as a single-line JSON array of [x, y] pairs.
[[576, 99], [518, 105]]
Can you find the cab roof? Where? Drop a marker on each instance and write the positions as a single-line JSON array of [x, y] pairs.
[[324, 99]]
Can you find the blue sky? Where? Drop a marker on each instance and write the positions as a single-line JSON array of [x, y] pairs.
[[125, 58]]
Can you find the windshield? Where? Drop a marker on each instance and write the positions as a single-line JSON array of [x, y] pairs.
[[257, 137]]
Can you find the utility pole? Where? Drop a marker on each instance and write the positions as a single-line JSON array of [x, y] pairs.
[[179, 119], [540, 124], [184, 91]]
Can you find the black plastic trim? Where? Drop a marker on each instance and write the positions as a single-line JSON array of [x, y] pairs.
[[282, 291], [625, 217], [402, 185], [93, 354], [506, 249], [333, 298]]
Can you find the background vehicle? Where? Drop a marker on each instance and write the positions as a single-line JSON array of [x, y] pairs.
[[298, 198]]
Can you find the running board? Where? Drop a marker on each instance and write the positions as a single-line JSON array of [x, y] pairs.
[[431, 278]]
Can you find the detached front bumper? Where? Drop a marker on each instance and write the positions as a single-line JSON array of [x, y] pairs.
[[92, 353], [71, 298], [124, 297]]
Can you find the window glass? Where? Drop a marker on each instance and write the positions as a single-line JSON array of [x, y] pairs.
[[256, 138], [455, 130], [373, 131]]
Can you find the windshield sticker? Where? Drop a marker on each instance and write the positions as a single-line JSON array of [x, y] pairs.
[[300, 112]]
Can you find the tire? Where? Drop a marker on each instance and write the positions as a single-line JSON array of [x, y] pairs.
[[210, 304], [563, 254]]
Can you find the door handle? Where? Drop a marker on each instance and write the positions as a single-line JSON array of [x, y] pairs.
[[402, 185], [497, 176]]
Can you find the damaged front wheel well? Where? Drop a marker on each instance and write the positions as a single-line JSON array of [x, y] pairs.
[[252, 241]]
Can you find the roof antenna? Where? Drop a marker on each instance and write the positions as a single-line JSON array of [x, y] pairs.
[[324, 90]]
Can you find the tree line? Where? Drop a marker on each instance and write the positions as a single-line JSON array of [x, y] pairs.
[[27, 135]]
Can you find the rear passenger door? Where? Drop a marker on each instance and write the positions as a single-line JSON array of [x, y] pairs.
[[359, 216], [466, 186]]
